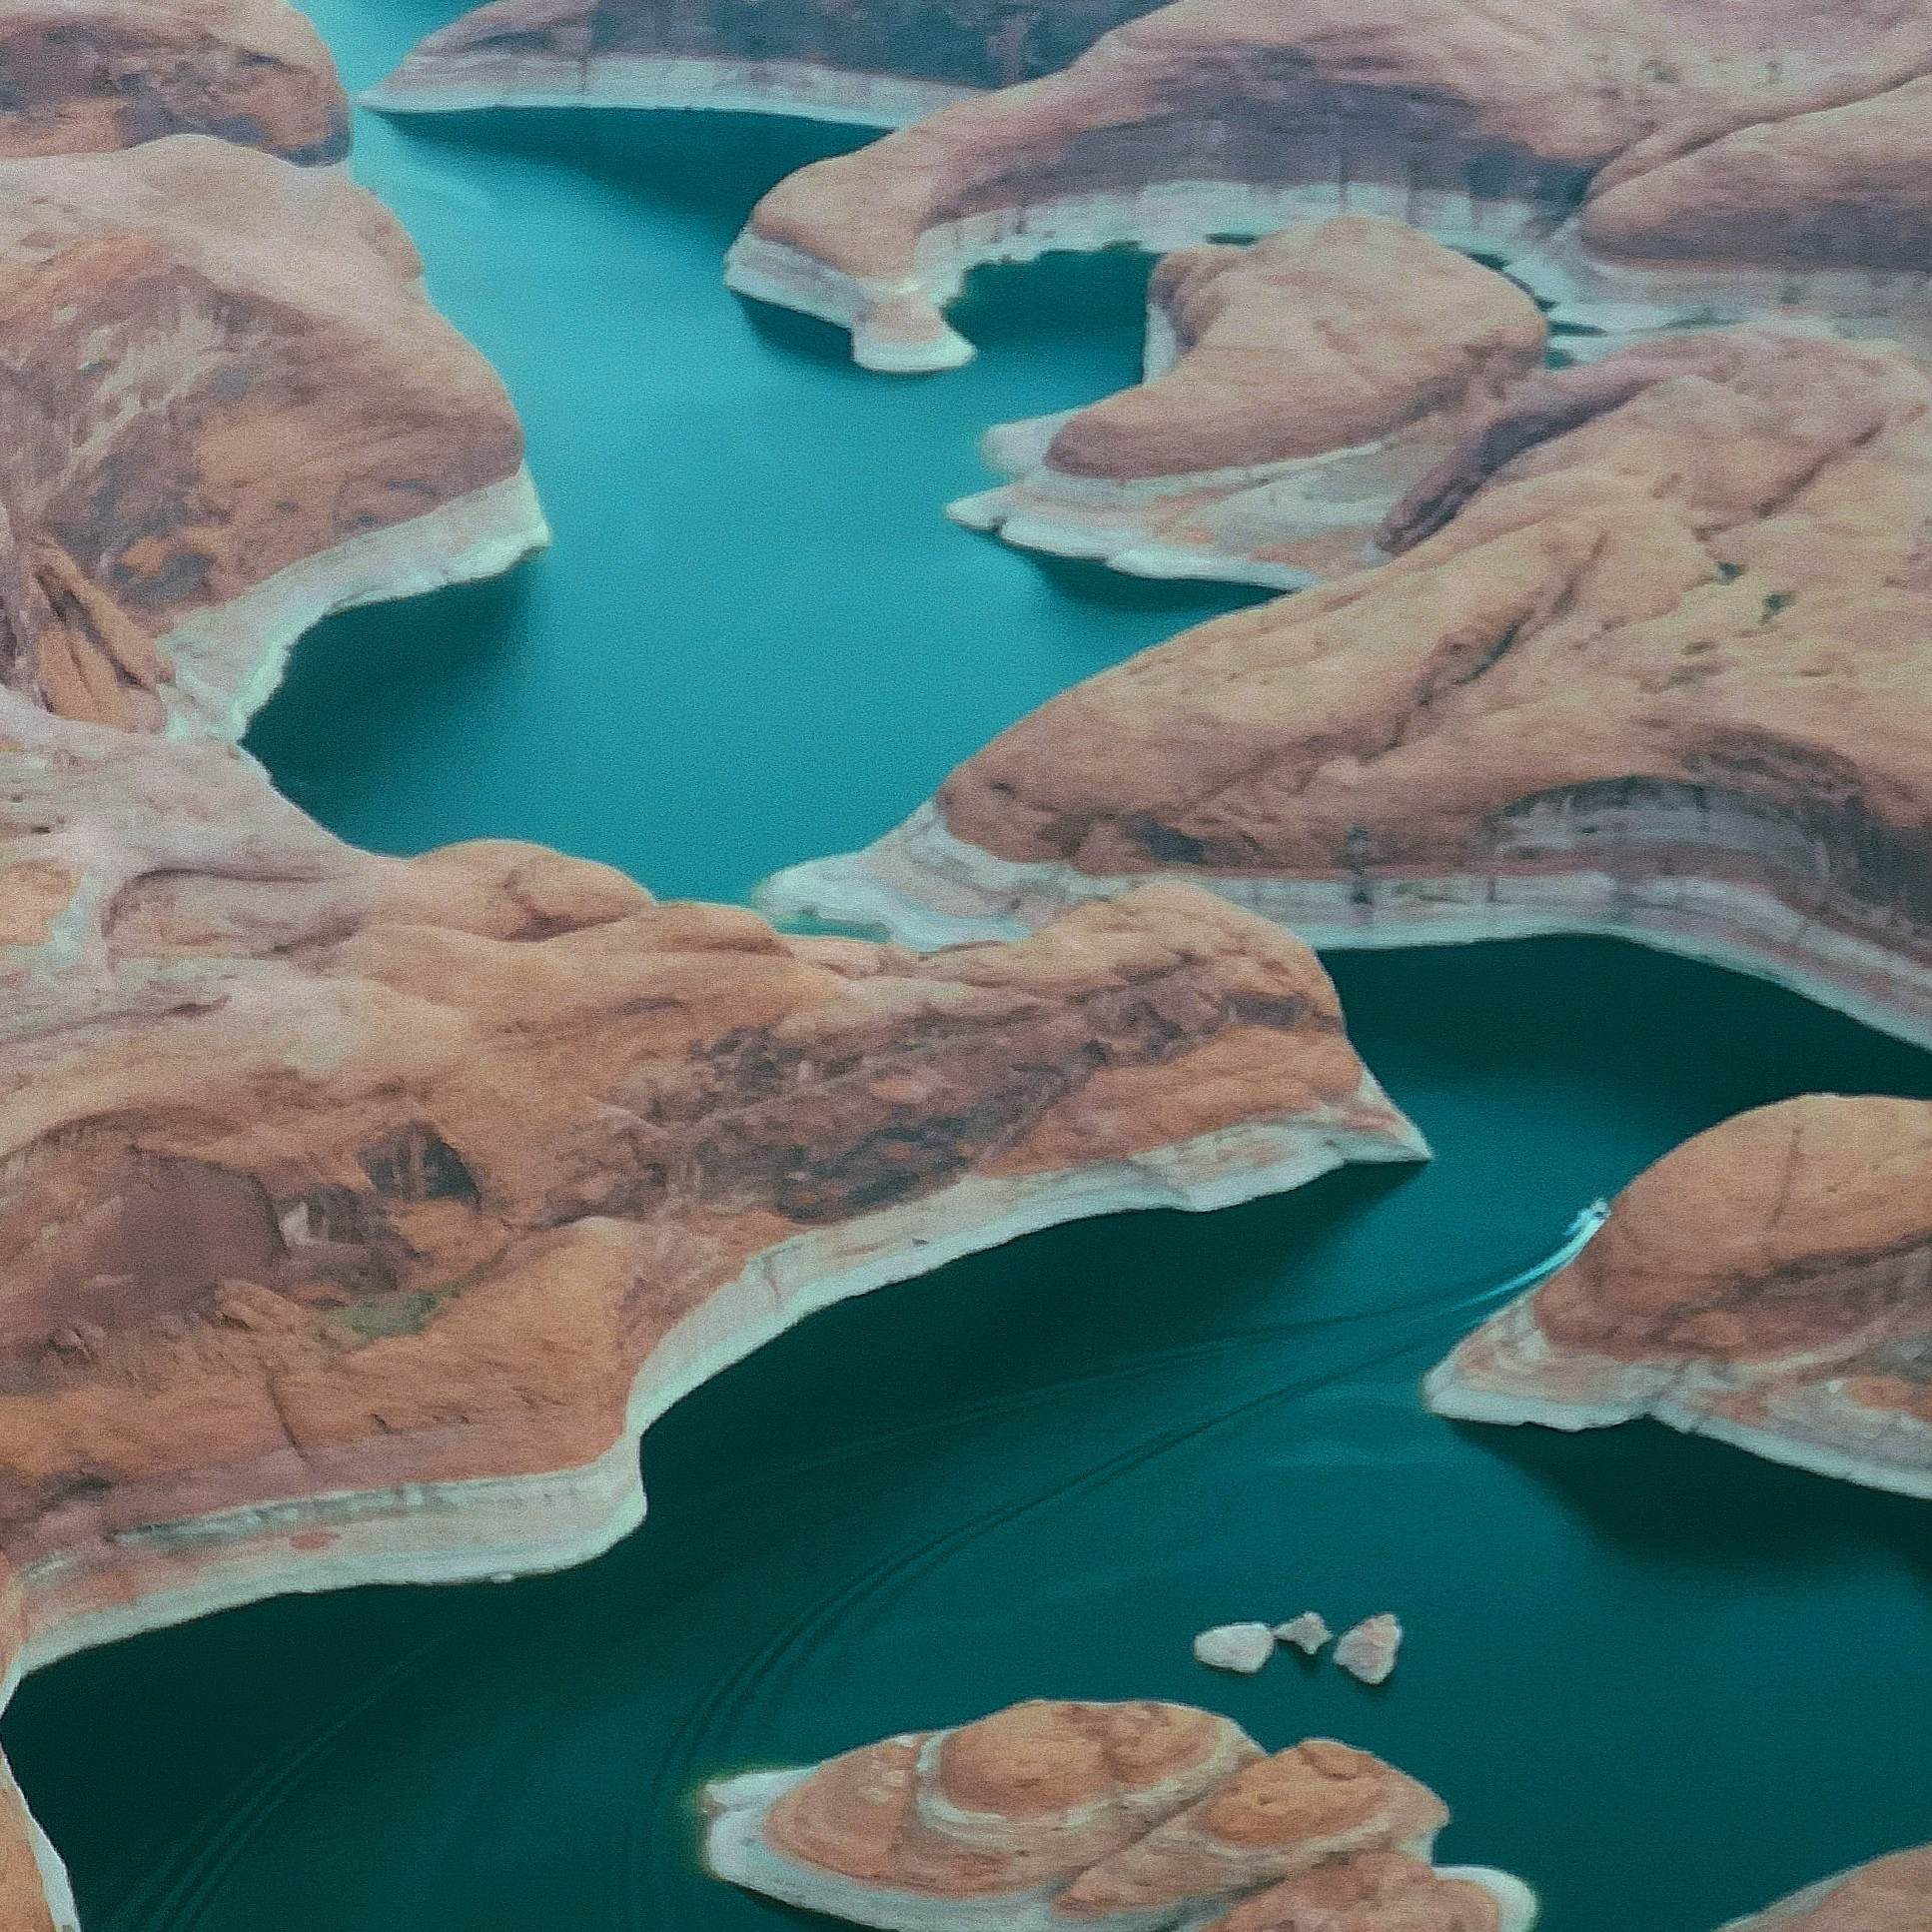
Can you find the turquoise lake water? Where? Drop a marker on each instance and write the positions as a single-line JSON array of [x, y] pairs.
[[1662, 1680]]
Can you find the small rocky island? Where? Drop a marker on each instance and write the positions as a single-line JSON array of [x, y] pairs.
[[1129, 1817]]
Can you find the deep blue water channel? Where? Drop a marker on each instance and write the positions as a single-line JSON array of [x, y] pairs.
[[1661, 1679]]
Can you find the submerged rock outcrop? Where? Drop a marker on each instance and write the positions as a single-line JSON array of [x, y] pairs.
[[1727, 160], [1294, 389], [1769, 1283], [1136, 1817], [230, 410], [874, 65], [79, 76], [1650, 664], [1891, 1894]]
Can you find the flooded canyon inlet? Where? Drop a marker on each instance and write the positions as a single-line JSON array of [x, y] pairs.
[[1662, 1680]]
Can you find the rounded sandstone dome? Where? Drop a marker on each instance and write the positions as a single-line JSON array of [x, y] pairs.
[[1317, 1789]]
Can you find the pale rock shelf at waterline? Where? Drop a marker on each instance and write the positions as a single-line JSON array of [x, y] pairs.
[[1651, 662], [1769, 1283], [1126, 1817], [1728, 162], [1294, 392], [868, 65], [361, 1212]]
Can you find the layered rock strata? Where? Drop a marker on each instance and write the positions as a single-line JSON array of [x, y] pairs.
[[359, 1212], [1650, 662], [1294, 389], [81, 76], [1889, 1895], [1132, 1817], [231, 409], [1769, 1283], [1724, 159], [874, 65]]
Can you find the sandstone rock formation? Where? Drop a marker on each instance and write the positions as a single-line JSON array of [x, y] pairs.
[[1653, 662], [80, 75], [1111, 1816], [1889, 1895], [1294, 389], [361, 1211], [1769, 1283], [876, 65], [1484, 121], [230, 410]]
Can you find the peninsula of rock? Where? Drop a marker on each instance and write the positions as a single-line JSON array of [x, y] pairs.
[[1129, 1817], [1650, 661], [361, 1212], [1295, 390], [1635, 165], [1768, 1283]]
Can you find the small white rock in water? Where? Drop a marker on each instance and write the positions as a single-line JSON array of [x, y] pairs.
[[1367, 1653], [1307, 1632], [1234, 1646]]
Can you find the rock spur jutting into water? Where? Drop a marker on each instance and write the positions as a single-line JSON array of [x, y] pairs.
[[1769, 1283]]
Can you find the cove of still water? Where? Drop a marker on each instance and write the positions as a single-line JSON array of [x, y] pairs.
[[1660, 1678]]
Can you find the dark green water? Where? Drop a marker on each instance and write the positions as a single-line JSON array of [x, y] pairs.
[[1661, 1679]]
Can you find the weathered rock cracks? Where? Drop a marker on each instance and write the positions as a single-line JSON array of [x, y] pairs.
[[1769, 1283], [1651, 661], [231, 409], [1132, 1817]]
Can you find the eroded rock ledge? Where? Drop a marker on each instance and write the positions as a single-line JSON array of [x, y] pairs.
[[876, 66], [1650, 662], [1769, 1283], [1295, 390], [1129, 1817], [1636, 165], [359, 1212]]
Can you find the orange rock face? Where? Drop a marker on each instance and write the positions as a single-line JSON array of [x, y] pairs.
[[1889, 1895], [80, 75], [1768, 1283], [1486, 124], [1104, 1815], [878, 65], [1642, 668], [333, 1174], [285, 424], [1296, 389]]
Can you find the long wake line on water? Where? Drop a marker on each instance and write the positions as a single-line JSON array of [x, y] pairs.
[[691, 1753]]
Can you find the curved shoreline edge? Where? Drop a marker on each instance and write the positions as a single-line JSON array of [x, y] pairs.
[[376, 1531]]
